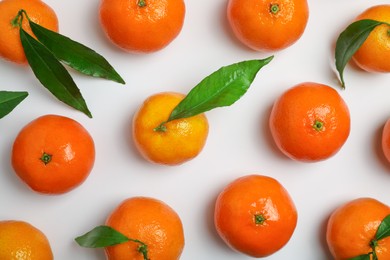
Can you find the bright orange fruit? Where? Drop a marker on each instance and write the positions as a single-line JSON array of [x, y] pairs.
[[310, 122], [142, 26], [148, 220], [268, 25], [374, 54], [20, 240], [353, 226], [255, 215], [182, 140], [10, 44], [53, 154]]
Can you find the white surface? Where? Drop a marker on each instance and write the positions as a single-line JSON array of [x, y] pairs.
[[239, 141]]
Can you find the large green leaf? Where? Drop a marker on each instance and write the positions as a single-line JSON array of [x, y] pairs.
[[350, 40], [383, 229], [9, 100], [52, 74], [76, 55], [221, 88], [101, 236]]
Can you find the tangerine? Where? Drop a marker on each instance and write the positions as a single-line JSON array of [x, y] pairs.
[[148, 220], [10, 45], [21, 240], [268, 25], [179, 141], [142, 26], [386, 140], [374, 54], [310, 122], [53, 154], [352, 227], [255, 215]]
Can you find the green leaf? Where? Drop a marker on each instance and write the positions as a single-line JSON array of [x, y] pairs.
[[101, 236], [76, 55], [361, 257], [9, 100], [52, 74], [222, 88], [383, 229], [350, 40]]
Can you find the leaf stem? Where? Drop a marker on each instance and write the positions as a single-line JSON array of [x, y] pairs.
[[143, 248], [161, 127]]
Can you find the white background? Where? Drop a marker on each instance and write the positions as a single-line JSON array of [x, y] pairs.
[[239, 141]]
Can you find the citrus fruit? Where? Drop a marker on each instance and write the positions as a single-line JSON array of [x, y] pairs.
[[268, 25], [53, 154], [310, 122], [353, 226], [142, 26], [180, 141], [10, 44], [20, 240], [374, 54], [255, 215], [386, 140], [148, 220]]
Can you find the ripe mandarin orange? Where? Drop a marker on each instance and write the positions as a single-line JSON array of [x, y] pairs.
[[374, 54], [148, 220], [255, 215], [310, 122], [386, 140], [20, 240], [352, 227], [268, 25], [10, 44], [182, 140], [53, 154], [142, 26]]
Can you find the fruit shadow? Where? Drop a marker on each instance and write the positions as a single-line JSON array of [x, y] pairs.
[[128, 133], [322, 238]]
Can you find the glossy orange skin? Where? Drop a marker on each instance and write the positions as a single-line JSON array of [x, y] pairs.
[[72, 149], [20, 240], [386, 140], [151, 221], [256, 26], [293, 118], [184, 138], [239, 203], [10, 45], [353, 225], [374, 54], [142, 29]]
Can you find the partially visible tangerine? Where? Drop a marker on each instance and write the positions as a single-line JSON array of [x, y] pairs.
[[180, 140], [255, 215], [53, 154], [352, 227], [386, 140], [268, 25], [150, 221], [142, 26], [374, 54], [310, 122], [10, 45], [20, 240]]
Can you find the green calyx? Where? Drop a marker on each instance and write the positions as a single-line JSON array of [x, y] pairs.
[[318, 125], [46, 158], [274, 8], [259, 219], [141, 3], [160, 128], [17, 21]]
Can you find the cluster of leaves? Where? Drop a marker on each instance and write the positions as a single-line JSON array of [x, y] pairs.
[[45, 57]]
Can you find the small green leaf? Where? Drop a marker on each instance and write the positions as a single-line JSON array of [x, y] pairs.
[[52, 74], [383, 229], [222, 88], [101, 236], [9, 100], [76, 55], [361, 257], [350, 40]]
